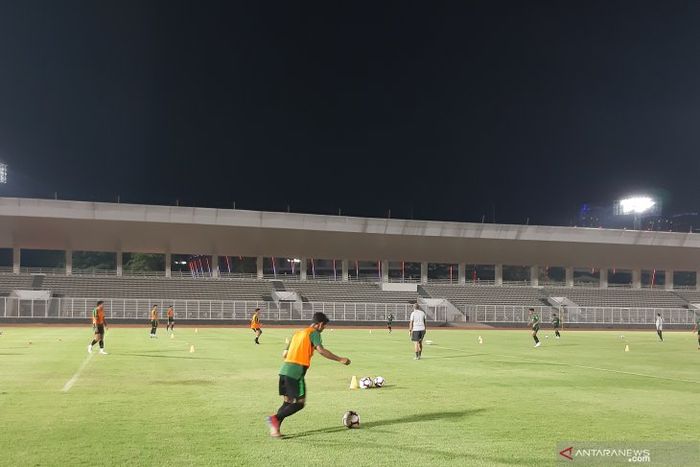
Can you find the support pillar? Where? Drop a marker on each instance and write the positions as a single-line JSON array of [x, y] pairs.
[[423, 273], [259, 266], [168, 265], [668, 279], [498, 274], [603, 278], [461, 273], [215, 266], [534, 276], [16, 255], [120, 264], [636, 278], [385, 270], [569, 276], [302, 269], [69, 262], [344, 270], [697, 280]]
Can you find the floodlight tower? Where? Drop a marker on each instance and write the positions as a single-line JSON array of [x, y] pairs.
[[3, 173], [636, 206]]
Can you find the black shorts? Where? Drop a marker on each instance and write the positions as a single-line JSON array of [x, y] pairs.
[[100, 329], [536, 328], [154, 323], [256, 329], [417, 336], [292, 388], [171, 320]]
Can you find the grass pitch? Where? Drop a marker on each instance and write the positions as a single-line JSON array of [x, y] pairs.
[[503, 402]]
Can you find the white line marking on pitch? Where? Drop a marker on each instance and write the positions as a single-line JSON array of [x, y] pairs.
[[579, 366], [69, 384]]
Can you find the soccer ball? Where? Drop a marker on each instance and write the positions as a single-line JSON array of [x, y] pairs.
[[366, 382], [378, 382], [351, 419]]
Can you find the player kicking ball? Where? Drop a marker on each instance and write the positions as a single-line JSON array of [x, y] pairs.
[[297, 359], [535, 323]]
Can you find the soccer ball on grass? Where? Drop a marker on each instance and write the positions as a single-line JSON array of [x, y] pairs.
[[351, 419], [379, 382], [365, 382]]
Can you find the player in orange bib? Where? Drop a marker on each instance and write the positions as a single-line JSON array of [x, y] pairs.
[[154, 321], [98, 325], [255, 325], [297, 359], [171, 319]]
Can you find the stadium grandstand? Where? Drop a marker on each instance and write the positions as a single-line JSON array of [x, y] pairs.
[[298, 242]]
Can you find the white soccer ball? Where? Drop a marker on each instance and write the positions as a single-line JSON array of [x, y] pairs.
[[351, 419], [365, 382], [379, 382]]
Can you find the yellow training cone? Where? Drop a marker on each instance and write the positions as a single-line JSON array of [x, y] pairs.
[[353, 383], [172, 336], [627, 348], [191, 348], [195, 330], [370, 331], [481, 341]]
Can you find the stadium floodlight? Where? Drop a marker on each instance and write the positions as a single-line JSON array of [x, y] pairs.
[[293, 260], [636, 205], [3, 173]]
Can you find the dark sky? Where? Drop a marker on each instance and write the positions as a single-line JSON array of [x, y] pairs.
[[436, 110]]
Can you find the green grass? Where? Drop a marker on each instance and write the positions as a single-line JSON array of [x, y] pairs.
[[152, 402]]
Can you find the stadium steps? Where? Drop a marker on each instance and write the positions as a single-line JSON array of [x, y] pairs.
[[10, 282], [348, 292], [278, 286], [619, 298], [423, 293], [38, 281]]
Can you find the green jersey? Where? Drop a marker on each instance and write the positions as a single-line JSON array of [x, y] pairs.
[[535, 320], [555, 321], [294, 370], [390, 319]]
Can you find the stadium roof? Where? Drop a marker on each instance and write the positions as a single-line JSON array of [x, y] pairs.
[[88, 226]]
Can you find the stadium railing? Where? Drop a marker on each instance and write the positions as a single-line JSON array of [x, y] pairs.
[[512, 314], [136, 309]]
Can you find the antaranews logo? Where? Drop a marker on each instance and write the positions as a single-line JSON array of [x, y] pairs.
[[567, 453], [628, 452]]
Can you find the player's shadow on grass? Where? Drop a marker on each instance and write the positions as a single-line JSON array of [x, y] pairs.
[[413, 418]]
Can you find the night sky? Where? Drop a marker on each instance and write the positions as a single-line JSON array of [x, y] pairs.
[[435, 110]]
